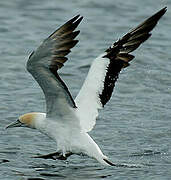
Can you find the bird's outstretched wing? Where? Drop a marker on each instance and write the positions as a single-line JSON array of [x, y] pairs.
[[47, 59], [104, 71]]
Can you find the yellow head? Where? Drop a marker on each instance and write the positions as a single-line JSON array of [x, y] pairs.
[[26, 120]]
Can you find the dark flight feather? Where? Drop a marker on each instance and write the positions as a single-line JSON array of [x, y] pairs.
[[119, 55]]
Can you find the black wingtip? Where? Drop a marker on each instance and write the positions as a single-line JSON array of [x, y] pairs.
[[77, 22], [76, 18], [163, 10], [159, 14]]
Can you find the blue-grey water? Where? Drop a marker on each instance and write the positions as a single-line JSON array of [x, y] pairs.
[[133, 128]]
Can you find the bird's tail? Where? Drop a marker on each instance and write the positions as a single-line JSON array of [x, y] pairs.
[[109, 162], [121, 165]]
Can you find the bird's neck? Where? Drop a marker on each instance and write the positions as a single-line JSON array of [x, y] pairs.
[[39, 120]]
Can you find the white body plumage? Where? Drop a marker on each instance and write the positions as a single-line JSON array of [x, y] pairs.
[[68, 138]]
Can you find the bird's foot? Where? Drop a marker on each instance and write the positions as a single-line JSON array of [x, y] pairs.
[[55, 156]]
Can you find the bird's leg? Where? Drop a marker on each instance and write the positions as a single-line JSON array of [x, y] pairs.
[[55, 156]]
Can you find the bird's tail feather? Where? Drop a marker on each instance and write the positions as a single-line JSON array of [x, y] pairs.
[[122, 165], [109, 162]]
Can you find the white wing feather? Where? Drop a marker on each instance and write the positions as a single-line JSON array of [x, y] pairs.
[[88, 98], [98, 86]]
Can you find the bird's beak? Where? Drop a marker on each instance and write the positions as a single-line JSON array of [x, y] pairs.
[[14, 124]]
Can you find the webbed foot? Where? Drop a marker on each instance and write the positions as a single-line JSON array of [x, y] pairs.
[[55, 156]]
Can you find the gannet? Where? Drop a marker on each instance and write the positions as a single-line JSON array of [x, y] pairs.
[[68, 121]]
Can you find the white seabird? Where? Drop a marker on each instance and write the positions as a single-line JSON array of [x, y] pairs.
[[68, 121]]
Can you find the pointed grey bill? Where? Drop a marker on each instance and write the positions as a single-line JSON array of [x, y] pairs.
[[14, 124]]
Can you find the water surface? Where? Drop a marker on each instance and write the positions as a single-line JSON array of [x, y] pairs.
[[134, 127]]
